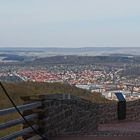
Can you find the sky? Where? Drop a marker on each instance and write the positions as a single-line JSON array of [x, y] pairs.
[[69, 23]]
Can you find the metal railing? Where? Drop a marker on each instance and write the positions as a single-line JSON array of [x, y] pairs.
[[18, 121]]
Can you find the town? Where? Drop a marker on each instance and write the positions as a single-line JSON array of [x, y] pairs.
[[95, 78]]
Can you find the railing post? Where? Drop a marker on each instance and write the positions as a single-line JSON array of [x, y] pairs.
[[38, 111]]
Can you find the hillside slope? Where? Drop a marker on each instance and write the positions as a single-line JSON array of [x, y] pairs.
[[16, 90]]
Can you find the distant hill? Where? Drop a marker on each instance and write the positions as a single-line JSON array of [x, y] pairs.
[[84, 51], [12, 57], [71, 55], [73, 59], [74, 50]]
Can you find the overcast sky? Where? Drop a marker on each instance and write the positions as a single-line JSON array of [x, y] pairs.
[[69, 23]]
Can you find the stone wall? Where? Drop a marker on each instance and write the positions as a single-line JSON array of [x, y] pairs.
[[108, 112], [133, 110], [63, 114], [67, 114]]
